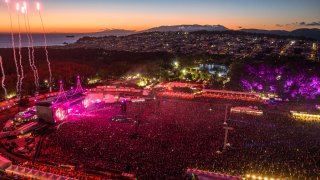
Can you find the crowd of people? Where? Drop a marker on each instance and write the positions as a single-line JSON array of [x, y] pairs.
[[176, 95], [231, 97], [178, 134]]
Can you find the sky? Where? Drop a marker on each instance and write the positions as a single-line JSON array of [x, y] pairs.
[[97, 15]]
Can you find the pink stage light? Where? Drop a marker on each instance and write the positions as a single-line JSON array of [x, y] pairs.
[[60, 114], [85, 103]]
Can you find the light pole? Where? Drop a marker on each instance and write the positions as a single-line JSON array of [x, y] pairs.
[[226, 115], [226, 132], [226, 127]]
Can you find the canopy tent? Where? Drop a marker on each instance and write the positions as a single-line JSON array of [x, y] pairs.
[[35, 174], [4, 163]]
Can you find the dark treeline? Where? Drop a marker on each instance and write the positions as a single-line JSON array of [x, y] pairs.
[[97, 63], [68, 63], [290, 77]]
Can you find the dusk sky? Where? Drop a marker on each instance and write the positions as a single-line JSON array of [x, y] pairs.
[[96, 15]]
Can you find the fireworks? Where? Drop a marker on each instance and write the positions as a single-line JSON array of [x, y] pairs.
[[45, 45], [20, 55], [14, 50], [22, 7], [38, 6], [31, 43], [24, 11], [3, 79], [32, 48]]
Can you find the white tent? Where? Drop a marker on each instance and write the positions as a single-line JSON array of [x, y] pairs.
[[4, 163], [31, 173]]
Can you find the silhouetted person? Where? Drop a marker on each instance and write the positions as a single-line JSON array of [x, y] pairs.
[[137, 124], [123, 106]]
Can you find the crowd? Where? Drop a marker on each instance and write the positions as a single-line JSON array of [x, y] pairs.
[[272, 145], [231, 97], [176, 95], [180, 134]]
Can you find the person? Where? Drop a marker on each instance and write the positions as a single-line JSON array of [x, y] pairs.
[[123, 106], [128, 167], [137, 124]]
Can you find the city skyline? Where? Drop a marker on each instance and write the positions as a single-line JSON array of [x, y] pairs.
[[97, 15]]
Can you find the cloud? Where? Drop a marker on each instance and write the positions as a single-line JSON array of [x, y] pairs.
[[313, 24], [302, 23], [299, 24]]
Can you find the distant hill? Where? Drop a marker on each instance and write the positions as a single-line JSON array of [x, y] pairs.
[[308, 33], [188, 28], [311, 33], [115, 32]]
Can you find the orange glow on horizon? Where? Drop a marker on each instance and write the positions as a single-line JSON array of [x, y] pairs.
[[78, 27], [93, 16], [70, 21]]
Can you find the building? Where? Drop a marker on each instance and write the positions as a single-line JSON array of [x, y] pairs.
[[26, 116], [55, 109]]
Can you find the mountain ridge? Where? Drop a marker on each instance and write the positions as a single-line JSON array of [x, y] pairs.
[[303, 32], [313, 33], [187, 28]]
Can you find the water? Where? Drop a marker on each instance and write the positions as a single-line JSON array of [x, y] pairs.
[[52, 39]]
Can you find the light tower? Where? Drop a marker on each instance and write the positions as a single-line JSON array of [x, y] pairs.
[[62, 94], [226, 127], [79, 88]]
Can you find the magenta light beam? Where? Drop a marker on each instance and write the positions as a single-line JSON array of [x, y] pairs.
[[3, 79], [45, 45], [14, 50]]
